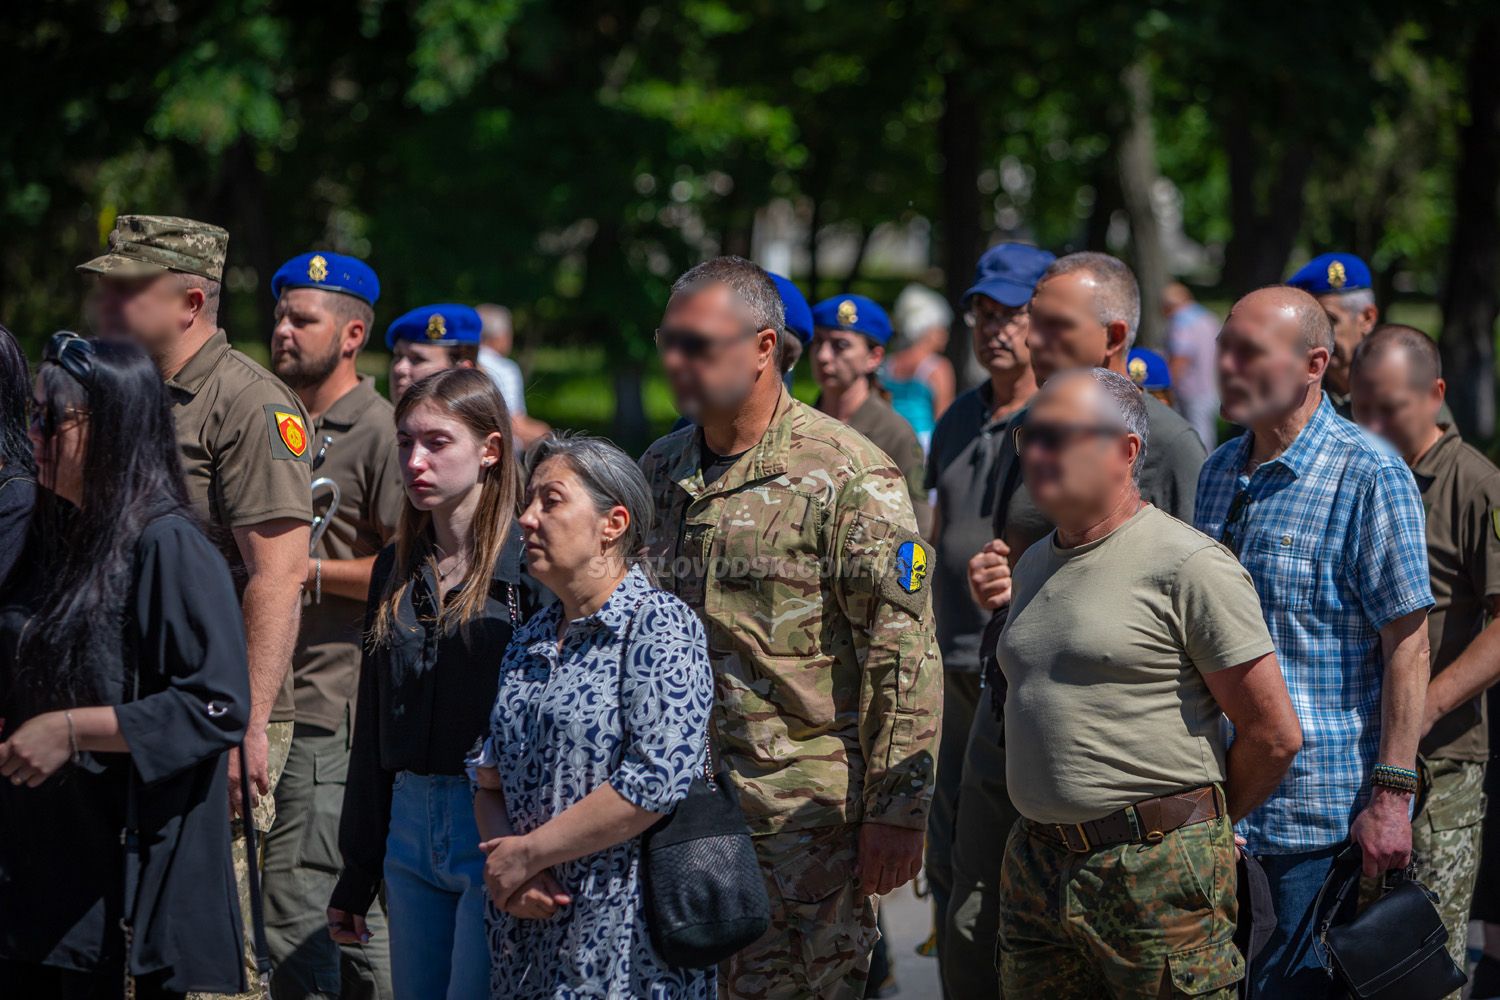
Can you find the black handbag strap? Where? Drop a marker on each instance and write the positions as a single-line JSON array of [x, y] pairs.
[[1343, 877]]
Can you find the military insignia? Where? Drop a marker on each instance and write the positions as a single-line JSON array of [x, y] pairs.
[[317, 268], [293, 433], [848, 313], [1336, 274], [437, 327], [1137, 371], [911, 566]]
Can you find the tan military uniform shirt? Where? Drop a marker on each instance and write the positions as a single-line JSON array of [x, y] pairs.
[[354, 444], [803, 561], [242, 437], [889, 431], [1461, 491]]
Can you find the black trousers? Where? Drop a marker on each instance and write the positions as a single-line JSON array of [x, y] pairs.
[[27, 979]]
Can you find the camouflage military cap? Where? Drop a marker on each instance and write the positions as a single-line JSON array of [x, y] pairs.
[[143, 245]]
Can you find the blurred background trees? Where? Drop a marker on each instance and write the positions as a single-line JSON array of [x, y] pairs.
[[570, 159]]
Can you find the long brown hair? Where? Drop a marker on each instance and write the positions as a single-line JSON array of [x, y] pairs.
[[468, 395]]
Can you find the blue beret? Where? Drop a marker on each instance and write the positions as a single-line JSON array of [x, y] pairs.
[[332, 272], [1008, 272], [1332, 272], [799, 317], [1148, 369], [856, 313], [445, 325]]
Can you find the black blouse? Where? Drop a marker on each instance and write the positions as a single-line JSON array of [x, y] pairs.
[[62, 868], [424, 699]]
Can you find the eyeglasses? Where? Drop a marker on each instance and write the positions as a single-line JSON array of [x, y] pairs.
[[1234, 519], [693, 345], [1057, 437], [72, 354], [44, 422], [976, 319]]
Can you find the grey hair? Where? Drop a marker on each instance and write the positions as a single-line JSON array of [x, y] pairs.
[[609, 477], [494, 320], [1357, 299], [1126, 402], [1117, 296], [749, 282]]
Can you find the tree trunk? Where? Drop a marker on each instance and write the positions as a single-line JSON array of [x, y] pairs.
[[1265, 227], [1470, 299], [859, 259], [962, 238], [814, 220], [1138, 176]]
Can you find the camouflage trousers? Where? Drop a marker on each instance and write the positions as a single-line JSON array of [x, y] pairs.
[[822, 926], [1132, 921], [1445, 839], [279, 736]]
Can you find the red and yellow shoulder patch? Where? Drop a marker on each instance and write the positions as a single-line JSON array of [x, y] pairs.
[[293, 433]]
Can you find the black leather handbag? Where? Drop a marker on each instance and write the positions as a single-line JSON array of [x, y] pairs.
[[1396, 948], [704, 893]]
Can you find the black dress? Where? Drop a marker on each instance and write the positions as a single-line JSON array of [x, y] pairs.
[[62, 867]]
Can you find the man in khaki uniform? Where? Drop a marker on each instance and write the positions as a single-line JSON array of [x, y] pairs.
[[324, 312], [794, 538], [1131, 637], [1398, 394], [245, 453]]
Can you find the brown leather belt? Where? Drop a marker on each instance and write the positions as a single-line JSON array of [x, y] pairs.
[[1146, 822]]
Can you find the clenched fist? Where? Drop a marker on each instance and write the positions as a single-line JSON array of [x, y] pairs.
[[989, 576]]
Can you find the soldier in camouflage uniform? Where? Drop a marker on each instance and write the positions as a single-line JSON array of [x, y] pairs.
[[1398, 394], [242, 437], [795, 540], [1131, 637]]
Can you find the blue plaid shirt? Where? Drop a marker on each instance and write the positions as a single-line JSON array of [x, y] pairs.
[[1333, 534]]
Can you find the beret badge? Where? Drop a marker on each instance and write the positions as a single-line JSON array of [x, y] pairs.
[[848, 313], [317, 268], [1336, 274], [437, 327]]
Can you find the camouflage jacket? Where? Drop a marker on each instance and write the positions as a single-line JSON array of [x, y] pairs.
[[804, 563]]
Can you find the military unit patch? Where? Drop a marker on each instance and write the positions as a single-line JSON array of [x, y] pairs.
[[911, 566], [288, 433]]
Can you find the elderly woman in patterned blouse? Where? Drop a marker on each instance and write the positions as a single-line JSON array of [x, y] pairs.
[[597, 732]]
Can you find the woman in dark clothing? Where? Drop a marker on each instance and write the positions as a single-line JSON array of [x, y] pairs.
[[123, 681], [17, 470], [444, 600]]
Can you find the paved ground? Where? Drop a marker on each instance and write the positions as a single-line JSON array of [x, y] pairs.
[[908, 921]]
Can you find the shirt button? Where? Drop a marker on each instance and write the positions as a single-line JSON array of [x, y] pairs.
[[1286, 539]]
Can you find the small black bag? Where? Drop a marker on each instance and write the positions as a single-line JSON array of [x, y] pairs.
[[704, 893], [1396, 948]]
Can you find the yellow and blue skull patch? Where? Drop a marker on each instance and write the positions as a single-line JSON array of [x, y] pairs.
[[911, 566]]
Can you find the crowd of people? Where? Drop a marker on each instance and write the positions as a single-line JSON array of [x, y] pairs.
[[310, 692]]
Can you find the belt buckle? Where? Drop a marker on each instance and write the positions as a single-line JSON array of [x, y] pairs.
[[1083, 838]]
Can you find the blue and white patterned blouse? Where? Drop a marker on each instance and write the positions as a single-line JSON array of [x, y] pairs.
[[1334, 535], [558, 732]]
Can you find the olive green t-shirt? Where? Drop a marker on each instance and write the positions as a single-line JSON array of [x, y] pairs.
[[1105, 651], [1461, 492], [242, 436]]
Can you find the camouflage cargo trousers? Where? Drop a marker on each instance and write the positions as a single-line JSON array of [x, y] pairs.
[[822, 926], [279, 736], [1131, 921], [1445, 839]]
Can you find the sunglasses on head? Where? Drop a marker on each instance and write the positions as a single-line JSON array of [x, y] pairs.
[[1057, 437], [73, 354], [694, 345]]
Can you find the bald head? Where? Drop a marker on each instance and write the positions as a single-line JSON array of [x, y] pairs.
[[1413, 350], [1273, 351]]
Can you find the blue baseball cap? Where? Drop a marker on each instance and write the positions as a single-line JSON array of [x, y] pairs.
[[1332, 272], [1148, 369], [332, 272], [853, 312], [446, 325], [1008, 272], [799, 317]]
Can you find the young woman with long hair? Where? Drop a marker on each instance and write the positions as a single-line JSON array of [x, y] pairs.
[[17, 468], [123, 682], [444, 600], [599, 727]]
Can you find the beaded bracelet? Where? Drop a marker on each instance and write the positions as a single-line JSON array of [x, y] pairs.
[[1391, 776]]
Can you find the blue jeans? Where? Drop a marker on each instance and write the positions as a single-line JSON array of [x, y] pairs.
[[434, 891], [1288, 969]]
